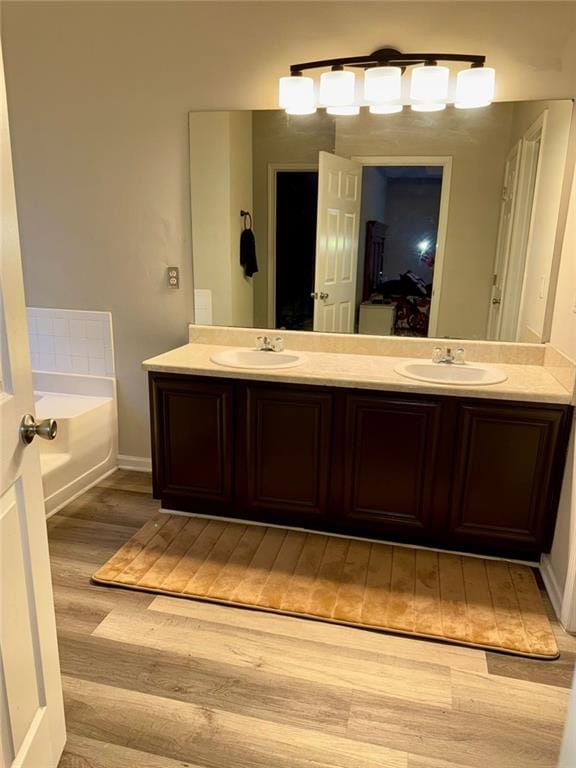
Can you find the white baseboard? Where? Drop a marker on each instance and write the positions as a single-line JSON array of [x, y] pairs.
[[135, 463], [551, 584]]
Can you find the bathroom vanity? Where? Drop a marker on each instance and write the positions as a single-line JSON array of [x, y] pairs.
[[392, 459]]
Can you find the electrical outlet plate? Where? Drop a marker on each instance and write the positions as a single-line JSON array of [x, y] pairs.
[[173, 276]]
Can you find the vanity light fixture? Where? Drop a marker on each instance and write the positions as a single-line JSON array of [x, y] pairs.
[[429, 88], [344, 111], [337, 88], [383, 70], [475, 87]]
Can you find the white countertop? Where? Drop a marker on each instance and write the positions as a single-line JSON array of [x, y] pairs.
[[531, 383]]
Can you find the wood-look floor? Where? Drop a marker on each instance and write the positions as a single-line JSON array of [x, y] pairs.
[[159, 682]]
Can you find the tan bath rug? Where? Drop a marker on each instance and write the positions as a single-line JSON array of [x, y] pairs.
[[467, 600]]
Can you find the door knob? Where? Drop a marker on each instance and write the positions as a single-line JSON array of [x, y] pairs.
[[496, 301], [29, 428], [314, 295], [324, 296]]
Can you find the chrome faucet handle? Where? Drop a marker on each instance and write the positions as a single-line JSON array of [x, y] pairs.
[[437, 354], [459, 355], [277, 344], [261, 342]]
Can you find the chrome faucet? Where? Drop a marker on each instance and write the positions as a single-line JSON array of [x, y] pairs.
[[448, 357], [266, 344]]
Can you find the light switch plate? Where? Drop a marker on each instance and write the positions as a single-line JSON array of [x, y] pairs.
[[173, 275]]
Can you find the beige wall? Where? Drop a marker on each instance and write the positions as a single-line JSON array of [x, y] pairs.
[[99, 95], [279, 139], [477, 141], [220, 187]]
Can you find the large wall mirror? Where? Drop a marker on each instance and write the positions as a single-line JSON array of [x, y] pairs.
[[415, 224]]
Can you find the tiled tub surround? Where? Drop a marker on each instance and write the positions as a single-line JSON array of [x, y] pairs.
[[368, 363], [71, 341]]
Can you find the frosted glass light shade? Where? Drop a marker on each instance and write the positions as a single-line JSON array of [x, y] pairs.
[[475, 87], [429, 86], [429, 106], [337, 88], [382, 84], [296, 95], [385, 109], [343, 110]]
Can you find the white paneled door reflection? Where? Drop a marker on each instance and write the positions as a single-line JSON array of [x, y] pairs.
[[339, 198]]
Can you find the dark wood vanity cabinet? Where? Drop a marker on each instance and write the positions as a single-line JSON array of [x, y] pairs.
[[392, 459], [475, 475], [506, 474], [193, 442], [283, 457]]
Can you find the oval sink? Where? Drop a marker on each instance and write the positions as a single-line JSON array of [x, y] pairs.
[[256, 358], [475, 374]]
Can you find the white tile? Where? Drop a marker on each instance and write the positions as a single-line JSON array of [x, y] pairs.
[[62, 345], [80, 364], [76, 328], [94, 329], [96, 366], [45, 326], [63, 363], [35, 358], [95, 347], [32, 324], [34, 347], [46, 344], [79, 346], [46, 362], [109, 362], [61, 327]]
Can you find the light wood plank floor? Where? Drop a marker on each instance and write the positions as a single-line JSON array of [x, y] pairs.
[[159, 682]]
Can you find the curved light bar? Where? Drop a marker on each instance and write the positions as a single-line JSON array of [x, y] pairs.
[[429, 84]]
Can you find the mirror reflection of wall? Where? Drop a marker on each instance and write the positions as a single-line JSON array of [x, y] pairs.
[[416, 224]]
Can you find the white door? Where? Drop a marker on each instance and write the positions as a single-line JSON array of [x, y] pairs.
[[339, 193], [522, 222], [32, 732], [504, 240]]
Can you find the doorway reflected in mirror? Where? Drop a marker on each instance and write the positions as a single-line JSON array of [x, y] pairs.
[[414, 224]]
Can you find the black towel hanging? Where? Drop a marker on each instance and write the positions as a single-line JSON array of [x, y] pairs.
[[248, 246]]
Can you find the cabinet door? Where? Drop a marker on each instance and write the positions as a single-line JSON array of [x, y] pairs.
[[507, 457], [193, 445], [391, 453], [284, 456]]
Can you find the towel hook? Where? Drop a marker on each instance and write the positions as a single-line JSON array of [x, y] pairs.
[[247, 215]]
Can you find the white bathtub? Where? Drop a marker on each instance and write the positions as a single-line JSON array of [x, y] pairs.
[[86, 446]]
